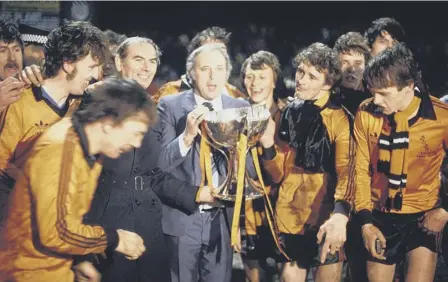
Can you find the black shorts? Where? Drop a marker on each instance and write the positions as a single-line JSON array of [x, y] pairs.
[[402, 236], [445, 244], [304, 250], [354, 241], [262, 245]]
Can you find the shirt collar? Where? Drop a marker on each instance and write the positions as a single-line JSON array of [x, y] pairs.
[[426, 109], [322, 101], [80, 131], [39, 95], [47, 96], [216, 103]]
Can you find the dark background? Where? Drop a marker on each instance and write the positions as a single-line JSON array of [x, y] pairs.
[[282, 27]]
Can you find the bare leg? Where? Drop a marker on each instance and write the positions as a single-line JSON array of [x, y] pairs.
[[378, 272], [252, 270], [292, 273], [421, 265], [329, 273]]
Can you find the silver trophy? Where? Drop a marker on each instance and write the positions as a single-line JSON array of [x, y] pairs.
[[223, 132]]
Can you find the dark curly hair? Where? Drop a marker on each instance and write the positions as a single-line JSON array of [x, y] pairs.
[[391, 25], [394, 66], [353, 42], [116, 98], [72, 42], [324, 59], [214, 33], [9, 32], [260, 60]]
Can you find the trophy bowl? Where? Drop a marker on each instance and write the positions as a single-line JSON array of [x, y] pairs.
[[224, 127], [223, 130], [257, 120]]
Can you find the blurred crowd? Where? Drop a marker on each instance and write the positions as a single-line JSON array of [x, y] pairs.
[[432, 54]]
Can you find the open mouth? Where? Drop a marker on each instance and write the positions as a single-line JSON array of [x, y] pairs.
[[350, 78], [211, 87], [11, 69], [144, 76], [256, 91]]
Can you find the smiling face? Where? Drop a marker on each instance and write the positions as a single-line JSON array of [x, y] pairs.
[[209, 74], [11, 59], [352, 67], [140, 63], [259, 84], [81, 73]]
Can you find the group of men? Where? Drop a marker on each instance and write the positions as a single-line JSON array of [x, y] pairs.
[[97, 184]]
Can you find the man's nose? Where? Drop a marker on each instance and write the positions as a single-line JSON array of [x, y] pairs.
[[11, 56], [377, 99], [145, 65], [212, 74]]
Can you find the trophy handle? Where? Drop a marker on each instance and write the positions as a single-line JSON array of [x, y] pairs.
[[255, 184]]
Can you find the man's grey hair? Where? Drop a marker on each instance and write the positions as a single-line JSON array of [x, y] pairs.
[[122, 49], [191, 60]]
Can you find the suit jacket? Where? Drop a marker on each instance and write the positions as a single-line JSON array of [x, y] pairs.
[[173, 111]]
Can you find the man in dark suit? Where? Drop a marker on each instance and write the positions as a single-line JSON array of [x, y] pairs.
[[199, 243]]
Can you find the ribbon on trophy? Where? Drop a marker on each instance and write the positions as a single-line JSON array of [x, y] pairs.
[[238, 136], [268, 206], [205, 162]]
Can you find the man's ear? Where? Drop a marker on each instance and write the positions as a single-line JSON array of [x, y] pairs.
[[68, 67], [410, 87], [118, 64], [106, 126]]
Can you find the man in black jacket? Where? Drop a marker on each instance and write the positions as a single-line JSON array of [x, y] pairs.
[[126, 196]]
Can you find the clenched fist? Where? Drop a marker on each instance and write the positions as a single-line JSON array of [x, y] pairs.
[[194, 118], [10, 91], [130, 244]]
